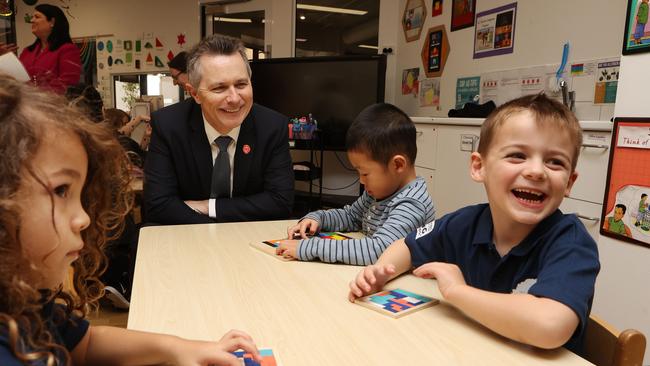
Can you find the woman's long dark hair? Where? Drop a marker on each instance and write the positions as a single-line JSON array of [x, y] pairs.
[[60, 32]]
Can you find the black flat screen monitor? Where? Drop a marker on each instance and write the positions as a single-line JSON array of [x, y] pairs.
[[333, 89]]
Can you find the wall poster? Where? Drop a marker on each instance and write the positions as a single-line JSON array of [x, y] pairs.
[[494, 33], [626, 206], [462, 14]]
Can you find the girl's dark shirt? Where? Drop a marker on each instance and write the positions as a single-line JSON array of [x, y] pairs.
[[67, 333]]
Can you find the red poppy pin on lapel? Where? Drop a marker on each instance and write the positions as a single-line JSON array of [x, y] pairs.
[[246, 149]]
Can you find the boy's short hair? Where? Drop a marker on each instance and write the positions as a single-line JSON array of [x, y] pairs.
[[643, 195], [621, 206], [383, 131], [546, 112]]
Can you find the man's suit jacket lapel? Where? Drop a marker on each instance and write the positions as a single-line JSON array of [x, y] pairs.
[[245, 152], [200, 148]]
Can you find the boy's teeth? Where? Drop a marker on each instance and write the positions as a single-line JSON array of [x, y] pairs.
[[528, 195], [529, 192]]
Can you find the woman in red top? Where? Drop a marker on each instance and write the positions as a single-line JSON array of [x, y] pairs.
[[52, 61]]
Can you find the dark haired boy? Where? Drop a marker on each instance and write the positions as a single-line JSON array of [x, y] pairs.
[[615, 223], [517, 265], [381, 147]]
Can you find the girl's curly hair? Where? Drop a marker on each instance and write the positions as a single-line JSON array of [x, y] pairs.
[[25, 115]]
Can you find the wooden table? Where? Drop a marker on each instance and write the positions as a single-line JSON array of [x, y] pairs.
[[199, 281]]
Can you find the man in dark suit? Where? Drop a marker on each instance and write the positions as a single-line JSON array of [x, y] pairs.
[[179, 187]]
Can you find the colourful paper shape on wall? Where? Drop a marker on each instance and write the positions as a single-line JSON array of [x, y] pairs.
[[118, 61], [128, 57], [159, 63], [30, 2], [170, 55], [138, 46], [148, 45], [436, 8], [137, 64], [128, 45], [158, 43], [100, 46], [110, 61], [109, 46], [180, 39], [149, 58]]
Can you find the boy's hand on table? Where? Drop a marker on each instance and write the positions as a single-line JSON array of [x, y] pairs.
[[306, 227], [287, 248], [448, 275], [370, 280]]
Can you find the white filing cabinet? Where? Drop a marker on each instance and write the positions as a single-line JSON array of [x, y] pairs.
[[426, 140], [445, 146], [453, 186]]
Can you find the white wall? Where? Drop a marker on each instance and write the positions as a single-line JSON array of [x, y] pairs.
[[593, 28]]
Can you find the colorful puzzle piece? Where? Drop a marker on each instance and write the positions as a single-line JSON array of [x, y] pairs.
[[333, 235], [268, 246], [396, 302], [268, 359]]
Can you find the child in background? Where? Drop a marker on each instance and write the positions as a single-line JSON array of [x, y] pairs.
[[63, 184], [381, 146], [643, 208], [119, 121], [517, 265]]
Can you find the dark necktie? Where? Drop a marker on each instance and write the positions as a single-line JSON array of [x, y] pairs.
[[220, 187]]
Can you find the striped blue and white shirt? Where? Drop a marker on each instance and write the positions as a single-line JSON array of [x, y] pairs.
[[382, 222]]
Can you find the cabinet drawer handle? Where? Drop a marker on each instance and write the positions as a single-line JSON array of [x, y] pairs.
[[588, 218], [596, 146]]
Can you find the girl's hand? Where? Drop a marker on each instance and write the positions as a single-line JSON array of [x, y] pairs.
[[448, 275], [216, 353]]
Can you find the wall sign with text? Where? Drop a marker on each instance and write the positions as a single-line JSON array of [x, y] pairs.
[[626, 206]]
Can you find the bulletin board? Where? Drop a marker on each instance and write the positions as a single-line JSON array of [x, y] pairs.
[[626, 211]]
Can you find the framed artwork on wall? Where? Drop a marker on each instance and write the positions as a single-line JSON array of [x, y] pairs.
[[415, 13], [436, 8], [494, 33], [435, 51], [637, 31], [626, 205], [462, 14]]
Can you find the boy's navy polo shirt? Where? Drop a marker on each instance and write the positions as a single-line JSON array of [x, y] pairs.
[[557, 260]]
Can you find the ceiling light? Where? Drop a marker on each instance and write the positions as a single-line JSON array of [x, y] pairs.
[[302, 17], [232, 20], [301, 39], [368, 46], [330, 9]]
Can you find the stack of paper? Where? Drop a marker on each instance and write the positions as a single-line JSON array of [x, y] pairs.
[[10, 65]]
